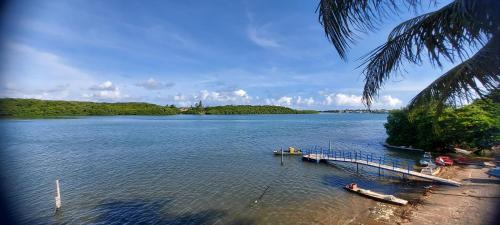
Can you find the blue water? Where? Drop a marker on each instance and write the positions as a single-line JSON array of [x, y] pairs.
[[188, 169]]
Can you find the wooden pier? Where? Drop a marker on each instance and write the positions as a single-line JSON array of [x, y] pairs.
[[368, 160]]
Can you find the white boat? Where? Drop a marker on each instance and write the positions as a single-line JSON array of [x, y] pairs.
[[374, 195], [426, 159], [409, 148]]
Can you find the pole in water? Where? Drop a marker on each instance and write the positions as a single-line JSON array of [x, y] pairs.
[[58, 196], [282, 156]]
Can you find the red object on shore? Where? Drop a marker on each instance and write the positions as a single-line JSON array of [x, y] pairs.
[[444, 161]]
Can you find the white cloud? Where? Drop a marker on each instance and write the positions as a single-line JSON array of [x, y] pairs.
[[241, 93], [105, 86], [347, 100], [180, 97], [104, 91], [51, 63], [34, 73], [390, 101], [152, 84], [239, 96], [282, 101], [260, 38], [304, 101], [285, 100]]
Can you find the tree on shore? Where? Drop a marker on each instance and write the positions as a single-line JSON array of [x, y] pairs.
[[450, 34]]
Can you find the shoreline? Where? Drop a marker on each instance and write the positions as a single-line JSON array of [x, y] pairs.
[[475, 202]]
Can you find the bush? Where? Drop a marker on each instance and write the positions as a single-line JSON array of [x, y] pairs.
[[473, 126]]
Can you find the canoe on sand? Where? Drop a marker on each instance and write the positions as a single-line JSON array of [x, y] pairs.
[[374, 195]]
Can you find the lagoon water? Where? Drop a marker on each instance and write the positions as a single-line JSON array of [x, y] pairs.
[[189, 169]]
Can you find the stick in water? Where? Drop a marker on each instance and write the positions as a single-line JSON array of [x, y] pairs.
[[58, 196], [262, 195]]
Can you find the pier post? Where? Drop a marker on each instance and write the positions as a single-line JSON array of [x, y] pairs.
[[329, 146], [58, 196], [356, 159], [379, 162], [282, 156]]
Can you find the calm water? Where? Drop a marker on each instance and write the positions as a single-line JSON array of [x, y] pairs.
[[188, 169]]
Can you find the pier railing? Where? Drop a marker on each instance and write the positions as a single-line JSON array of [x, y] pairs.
[[404, 167], [357, 156]]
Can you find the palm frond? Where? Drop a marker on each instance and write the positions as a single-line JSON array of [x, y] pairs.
[[342, 18], [474, 77], [449, 33]]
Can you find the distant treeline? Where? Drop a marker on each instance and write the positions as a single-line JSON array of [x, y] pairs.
[[380, 111], [34, 108], [27, 108], [245, 109]]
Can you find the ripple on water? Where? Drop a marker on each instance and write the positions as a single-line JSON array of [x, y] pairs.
[[188, 169]]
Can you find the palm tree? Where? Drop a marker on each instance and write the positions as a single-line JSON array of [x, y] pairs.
[[464, 32]]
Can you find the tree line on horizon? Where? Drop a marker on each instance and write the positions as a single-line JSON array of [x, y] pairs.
[[35, 108]]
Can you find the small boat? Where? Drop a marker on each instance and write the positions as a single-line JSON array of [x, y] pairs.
[[444, 161], [353, 187], [290, 151], [409, 148], [426, 159], [466, 152]]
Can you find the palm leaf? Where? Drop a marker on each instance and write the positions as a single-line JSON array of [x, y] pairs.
[[342, 18], [449, 33], [474, 77]]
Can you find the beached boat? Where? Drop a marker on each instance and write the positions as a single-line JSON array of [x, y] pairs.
[[409, 148], [289, 151], [374, 195], [444, 161], [426, 159]]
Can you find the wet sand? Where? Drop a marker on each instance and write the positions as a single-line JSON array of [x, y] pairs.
[[477, 201]]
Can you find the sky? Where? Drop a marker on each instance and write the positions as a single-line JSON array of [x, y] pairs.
[[180, 52]]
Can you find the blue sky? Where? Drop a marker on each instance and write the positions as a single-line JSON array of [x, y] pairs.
[[179, 52]]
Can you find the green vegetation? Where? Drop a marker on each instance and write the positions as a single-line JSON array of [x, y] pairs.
[[249, 109], [244, 109], [473, 126], [33, 108], [376, 111]]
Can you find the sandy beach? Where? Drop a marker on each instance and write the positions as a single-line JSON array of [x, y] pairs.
[[475, 202]]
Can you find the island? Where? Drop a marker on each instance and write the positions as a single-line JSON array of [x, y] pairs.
[[36, 108], [377, 111]]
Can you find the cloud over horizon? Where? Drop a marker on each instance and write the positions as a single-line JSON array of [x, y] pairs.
[[152, 84], [264, 54]]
